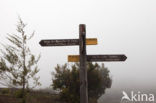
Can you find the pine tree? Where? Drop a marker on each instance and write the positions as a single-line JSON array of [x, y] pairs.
[[17, 64]]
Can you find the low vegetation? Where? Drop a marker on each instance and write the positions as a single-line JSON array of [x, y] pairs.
[[34, 96]]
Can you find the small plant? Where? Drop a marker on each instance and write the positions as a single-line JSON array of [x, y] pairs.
[[18, 94], [5, 91]]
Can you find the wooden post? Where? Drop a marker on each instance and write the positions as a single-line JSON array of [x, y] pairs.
[[83, 69]]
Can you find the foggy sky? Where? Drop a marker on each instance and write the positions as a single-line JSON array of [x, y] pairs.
[[121, 27]]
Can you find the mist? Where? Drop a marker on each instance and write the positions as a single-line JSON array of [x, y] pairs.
[[121, 27]]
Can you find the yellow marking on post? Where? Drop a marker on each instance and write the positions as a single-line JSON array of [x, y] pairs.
[[91, 41], [73, 58]]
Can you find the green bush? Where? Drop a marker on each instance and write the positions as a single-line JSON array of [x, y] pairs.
[[67, 81], [5, 91], [18, 94]]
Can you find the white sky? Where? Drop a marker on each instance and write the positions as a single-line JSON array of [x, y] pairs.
[[121, 27]]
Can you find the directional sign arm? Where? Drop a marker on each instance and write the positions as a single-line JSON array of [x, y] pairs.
[[67, 42], [99, 58], [59, 42], [108, 58]]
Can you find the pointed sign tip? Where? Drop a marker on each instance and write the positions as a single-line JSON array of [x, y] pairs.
[[40, 43], [125, 57]]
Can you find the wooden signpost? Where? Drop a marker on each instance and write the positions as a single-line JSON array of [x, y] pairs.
[[83, 70], [82, 57]]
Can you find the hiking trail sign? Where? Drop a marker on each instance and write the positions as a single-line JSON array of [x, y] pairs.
[[67, 42], [98, 58], [82, 57]]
